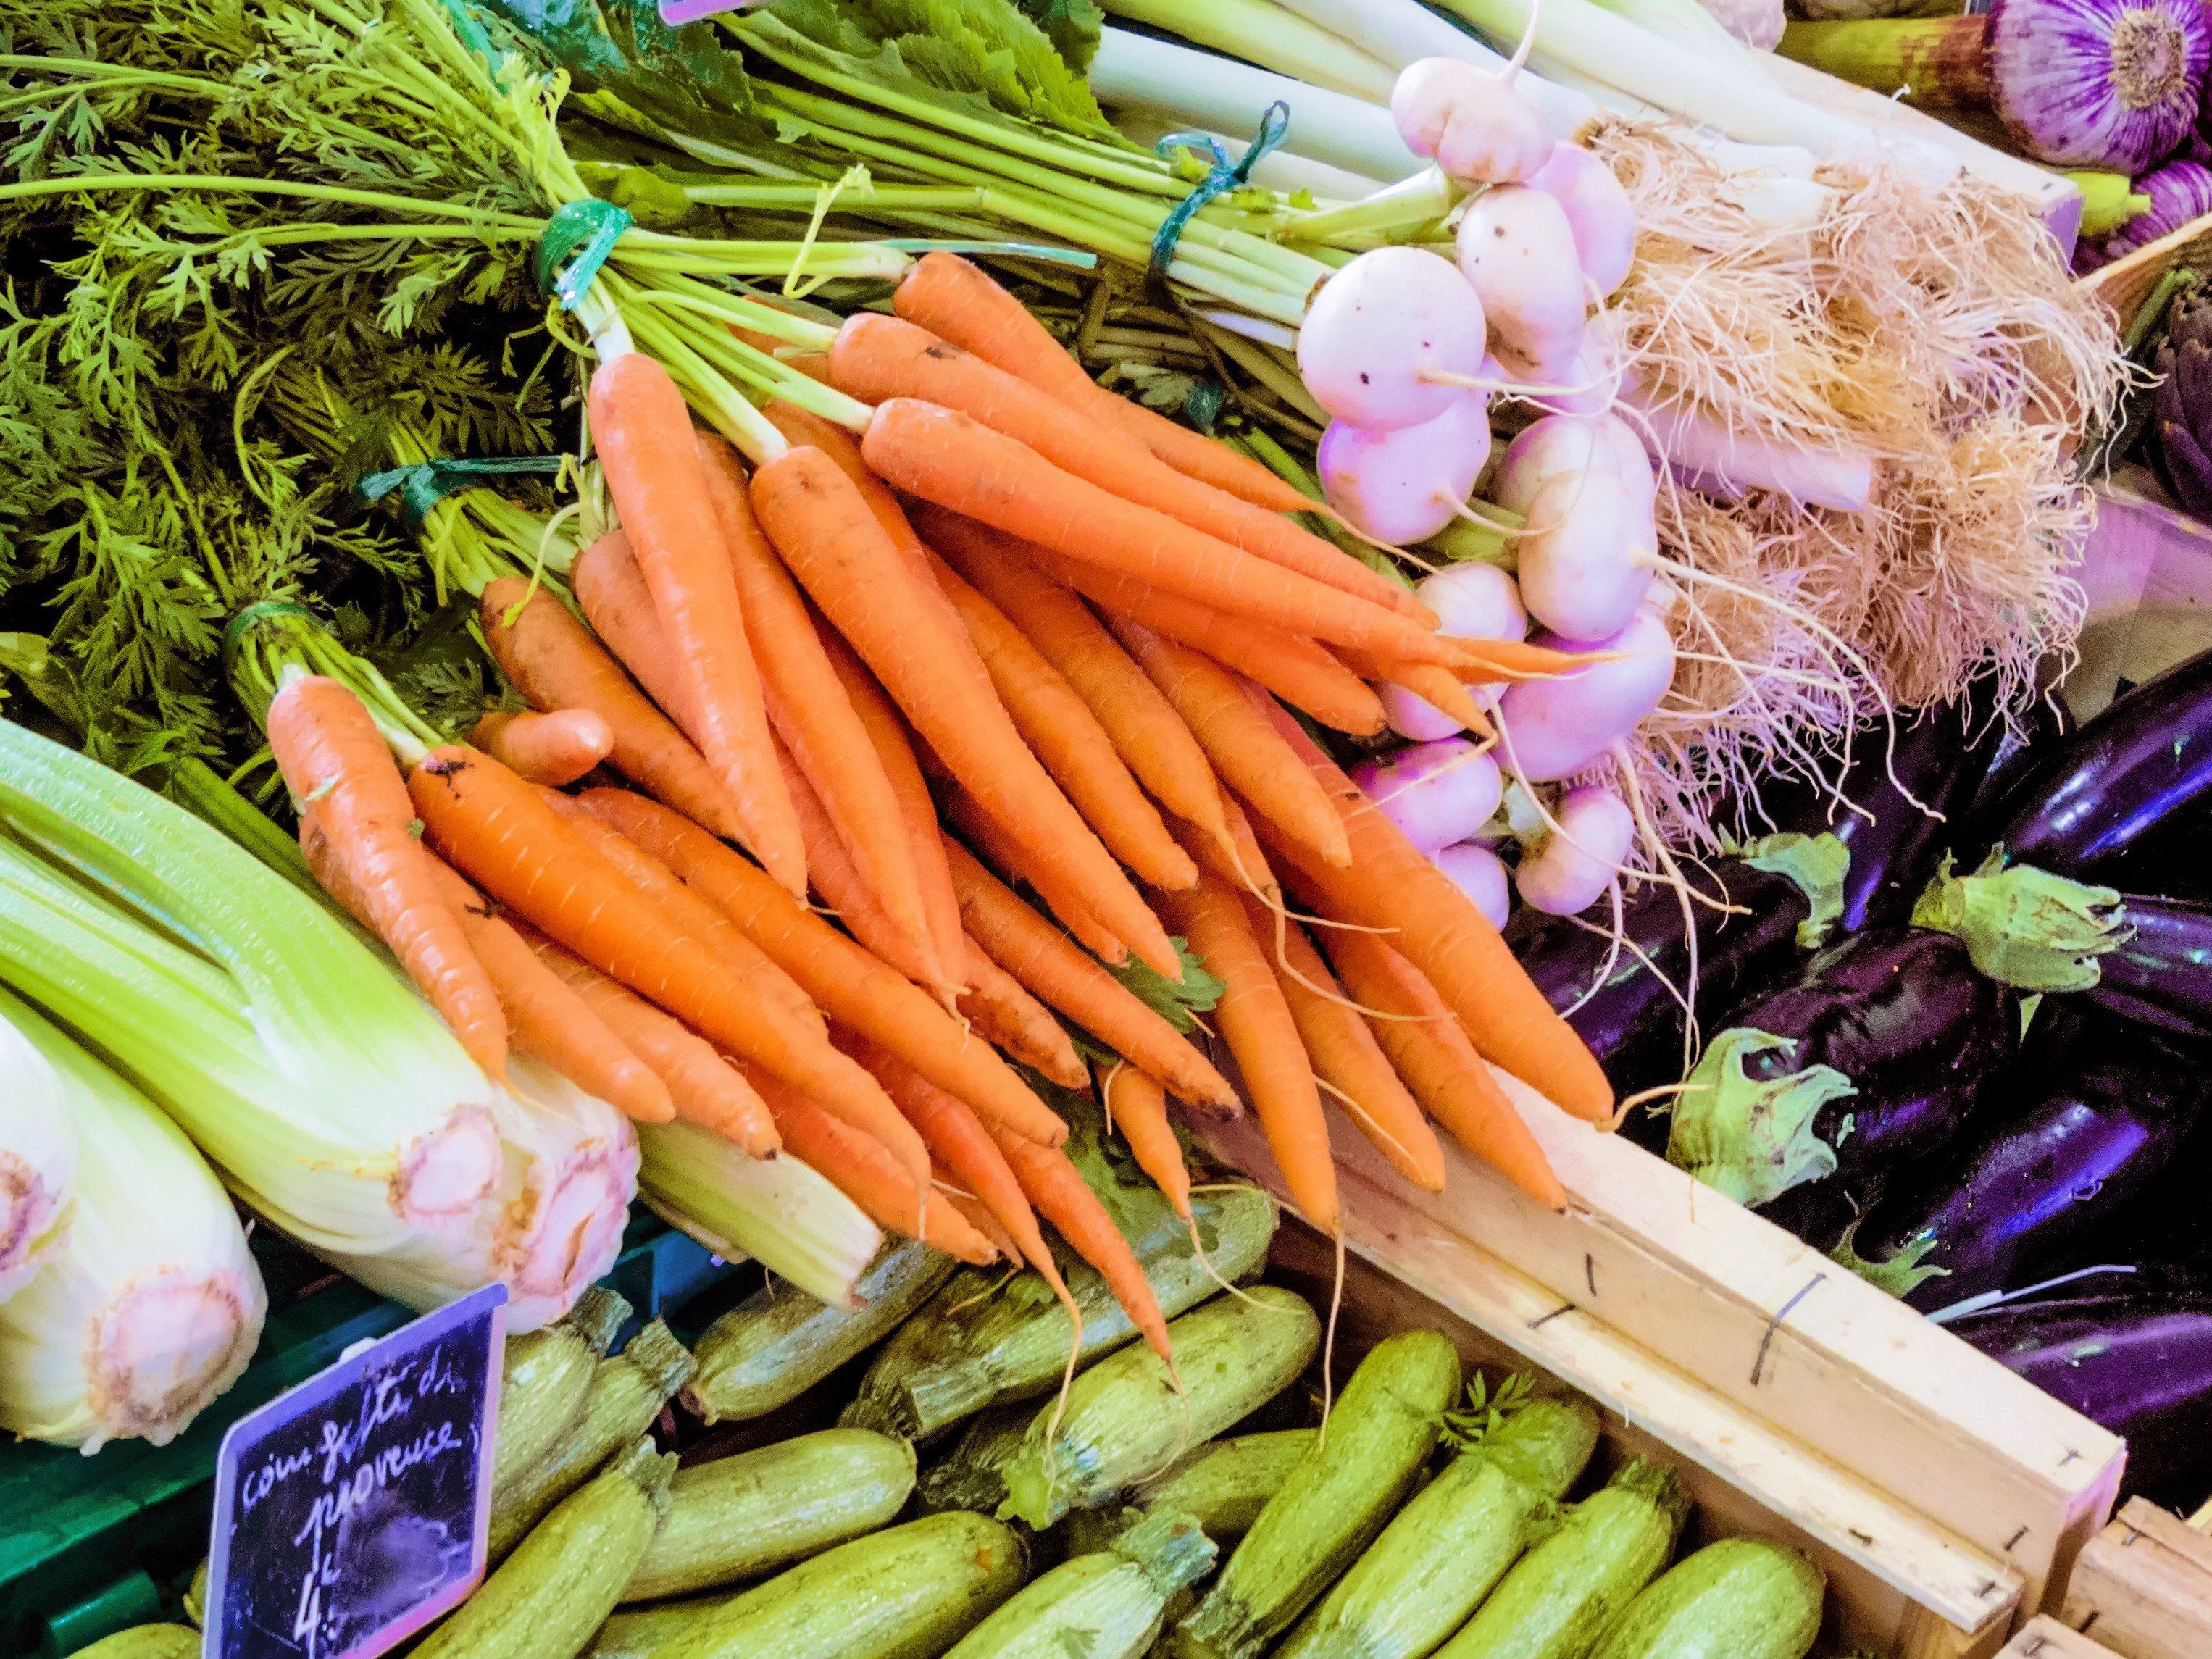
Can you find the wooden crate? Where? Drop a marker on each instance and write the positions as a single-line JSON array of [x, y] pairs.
[[2142, 1587], [2126, 282], [2045, 1638], [2147, 567]]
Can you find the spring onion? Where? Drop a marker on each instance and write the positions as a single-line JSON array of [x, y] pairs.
[[1264, 33]]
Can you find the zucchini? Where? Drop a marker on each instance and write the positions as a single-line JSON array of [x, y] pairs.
[[561, 1583], [976, 1346], [1224, 1484], [544, 1375], [1106, 1606], [908, 1592], [1560, 1596], [1450, 1544], [196, 1595], [1335, 1501], [744, 1517], [780, 1341], [973, 1475], [1125, 1420], [146, 1641], [640, 1633], [626, 1394], [1742, 1598]]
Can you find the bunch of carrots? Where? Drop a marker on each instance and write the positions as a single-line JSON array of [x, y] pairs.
[[1016, 630]]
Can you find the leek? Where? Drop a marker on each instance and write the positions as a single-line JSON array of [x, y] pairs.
[[38, 1155], [151, 1305], [1264, 33]]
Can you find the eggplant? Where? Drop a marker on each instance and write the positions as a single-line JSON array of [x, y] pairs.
[[2041, 729], [2041, 1191], [1869, 1061], [2137, 1360], [2160, 974]]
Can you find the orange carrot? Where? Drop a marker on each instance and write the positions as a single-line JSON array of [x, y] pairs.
[[1346, 1056], [1255, 1022], [499, 832], [802, 426], [950, 1191], [557, 748], [1136, 1106], [830, 868], [1015, 864], [1482, 660], [858, 1167], [619, 607], [1249, 871], [856, 990], [955, 300], [809, 707], [945, 457], [1017, 1022], [878, 357], [553, 661], [643, 433], [1144, 728], [1066, 737], [1225, 714], [1436, 686], [1025, 945], [1391, 885], [334, 760], [818, 522]]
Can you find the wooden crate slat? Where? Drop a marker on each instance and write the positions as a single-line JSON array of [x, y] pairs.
[[2143, 1587], [2045, 1638]]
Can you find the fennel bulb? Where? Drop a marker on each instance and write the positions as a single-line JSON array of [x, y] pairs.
[[38, 1155], [150, 1305]]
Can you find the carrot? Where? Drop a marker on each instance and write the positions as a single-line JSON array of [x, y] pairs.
[[877, 357], [955, 299], [803, 425], [335, 761], [1017, 1022], [830, 868], [553, 661], [1483, 660], [499, 832], [706, 1090], [945, 457], [856, 990], [1016, 865], [1250, 871], [1060, 729], [1025, 945], [1438, 687], [818, 522], [1225, 714], [950, 1191], [1136, 1106], [643, 433], [1147, 732], [858, 1167], [1346, 1056], [807, 705], [1430, 1051], [557, 748], [1391, 885], [1256, 1023]]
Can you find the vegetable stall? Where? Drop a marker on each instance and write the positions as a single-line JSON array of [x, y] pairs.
[[1190, 830]]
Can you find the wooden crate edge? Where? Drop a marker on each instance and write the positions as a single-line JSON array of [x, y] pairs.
[[2045, 1638]]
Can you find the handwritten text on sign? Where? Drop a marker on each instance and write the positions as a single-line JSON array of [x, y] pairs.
[[353, 1511]]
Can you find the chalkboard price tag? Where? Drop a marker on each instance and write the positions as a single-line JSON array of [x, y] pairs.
[[353, 1511]]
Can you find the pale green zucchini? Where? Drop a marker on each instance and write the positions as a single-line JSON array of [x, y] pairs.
[[907, 1592], [1103, 1605], [740, 1518], [1224, 1484], [1125, 1420], [146, 1641], [1335, 1501], [1452, 1542], [973, 1475], [195, 1596], [780, 1341], [1742, 1598], [1560, 1596], [559, 1586], [545, 1375], [640, 1633]]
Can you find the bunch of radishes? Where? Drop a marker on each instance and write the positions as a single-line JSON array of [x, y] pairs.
[[1403, 347]]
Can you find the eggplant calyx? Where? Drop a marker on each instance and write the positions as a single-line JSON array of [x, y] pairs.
[[1900, 1276], [1818, 865], [2024, 926], [1753, 1140]]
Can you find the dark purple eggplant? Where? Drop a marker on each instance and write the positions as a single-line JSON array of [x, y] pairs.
[[2040, 1191], [2042, 727], [2137, 1360], [1869, 1061], [2160, 973]]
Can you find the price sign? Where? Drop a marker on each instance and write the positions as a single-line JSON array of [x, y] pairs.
[[353, 1511]]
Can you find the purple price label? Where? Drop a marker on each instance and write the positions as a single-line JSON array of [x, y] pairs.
[[355, 1508]]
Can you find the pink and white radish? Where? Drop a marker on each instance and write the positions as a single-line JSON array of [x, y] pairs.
[[1598, 211], [1549, 729], [1517, 250], [1570, 443], [1381, 328], [1575, 859], [1405, 485], [1474, 122], [1587, 555], [1479, 601], [1480, 874], [1435, 792]]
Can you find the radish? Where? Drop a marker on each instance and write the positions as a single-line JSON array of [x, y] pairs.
[[1598, 211], [1570, 867], [1478, 601], [1377, 330], [1570, 443], [1405, 486], [1435, 792], [1413, 717], [1517, 250], [1587, 554], [1474, 122], [1551, 728], [1480, 874]]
